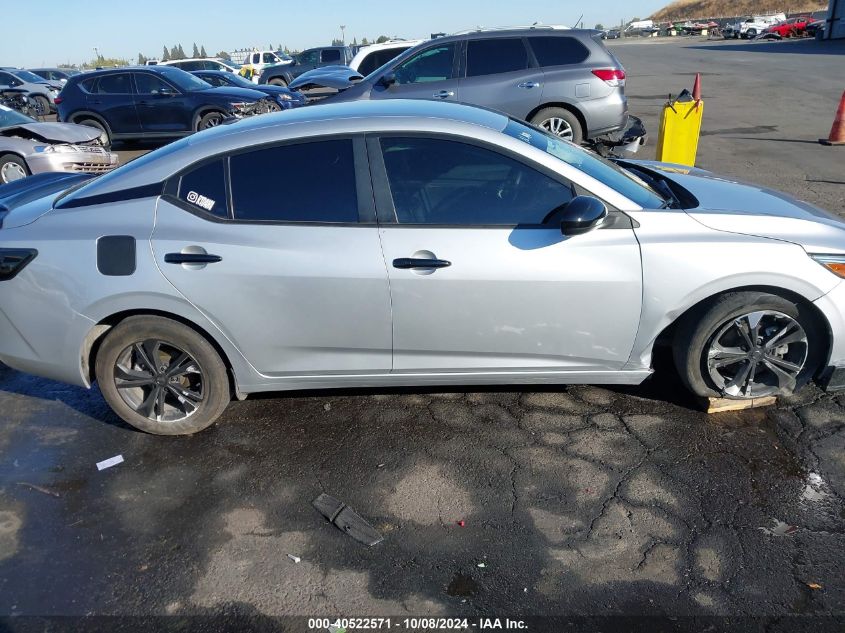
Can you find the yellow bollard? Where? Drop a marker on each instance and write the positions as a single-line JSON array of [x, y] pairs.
[[680, 127]]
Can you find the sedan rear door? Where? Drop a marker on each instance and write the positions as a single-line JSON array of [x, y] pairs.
[[289, 269], [112, 97]]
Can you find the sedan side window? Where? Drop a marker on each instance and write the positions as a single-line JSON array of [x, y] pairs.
[[204, 189], [432, 64], [438, 181], [306, 182]]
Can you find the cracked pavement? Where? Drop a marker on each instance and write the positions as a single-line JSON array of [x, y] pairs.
[[577, 501]]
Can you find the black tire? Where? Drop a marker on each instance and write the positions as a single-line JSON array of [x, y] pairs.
[[751, 33], [105, 137], [547, 117], [14, 164], [42, 105], [278, 81], [208, 377], [210, 120], [697, 330]]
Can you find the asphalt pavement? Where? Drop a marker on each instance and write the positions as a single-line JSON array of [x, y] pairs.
[[576, 501]]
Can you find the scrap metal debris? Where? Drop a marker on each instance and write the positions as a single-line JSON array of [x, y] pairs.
[[780, 529], [111, 461], [38, 488], [814, 585], [295, 559], [347, 520]]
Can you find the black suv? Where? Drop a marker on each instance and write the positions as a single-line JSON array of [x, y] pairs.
[[283, 74], [151, 102]]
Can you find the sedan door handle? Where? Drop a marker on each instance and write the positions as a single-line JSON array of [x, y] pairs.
[[444, 94], [192, 258], [528, 84], [411, 262]]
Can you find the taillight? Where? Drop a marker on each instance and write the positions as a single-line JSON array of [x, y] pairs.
[[13, 260], [612, 76], [58, 99]]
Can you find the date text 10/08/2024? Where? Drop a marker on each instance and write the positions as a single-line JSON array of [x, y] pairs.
[[345, 625]]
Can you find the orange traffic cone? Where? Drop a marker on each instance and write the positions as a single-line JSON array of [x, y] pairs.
[[696, 88], [837, 132]]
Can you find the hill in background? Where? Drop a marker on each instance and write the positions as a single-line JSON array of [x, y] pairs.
[[684, 9]]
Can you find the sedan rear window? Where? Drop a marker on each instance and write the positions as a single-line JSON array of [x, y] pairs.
[[558, 50], [307, 182], [204, 188]]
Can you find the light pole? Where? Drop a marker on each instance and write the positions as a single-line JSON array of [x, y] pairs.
[[343, 34]]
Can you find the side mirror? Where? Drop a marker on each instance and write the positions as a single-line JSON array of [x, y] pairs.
[[387, 79], [581, 215]]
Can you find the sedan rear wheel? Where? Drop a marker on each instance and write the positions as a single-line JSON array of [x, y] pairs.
[[161, 376], [12, 168], [748, 345]]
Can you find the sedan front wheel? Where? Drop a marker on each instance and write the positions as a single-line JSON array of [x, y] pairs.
[[748, 345]]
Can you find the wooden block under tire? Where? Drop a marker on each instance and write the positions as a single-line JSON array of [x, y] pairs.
[[719, 405]]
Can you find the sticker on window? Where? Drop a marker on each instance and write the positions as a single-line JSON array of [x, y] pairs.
[[200, 200]]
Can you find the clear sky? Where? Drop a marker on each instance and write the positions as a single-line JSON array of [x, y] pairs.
[[48, 32]]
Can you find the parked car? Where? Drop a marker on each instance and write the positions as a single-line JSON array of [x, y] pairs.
[[30, 147], [282, 98], [731, 30], [369, 58], [792, 27], [753, 26], [565, 81], [41, 92], [256, 61], [205, 63], [284, 74], [611, 34], [152, 102], [513, 257], [814, 27], [56, 76]]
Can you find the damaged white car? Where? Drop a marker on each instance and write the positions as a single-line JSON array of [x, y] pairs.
[[31, 147]]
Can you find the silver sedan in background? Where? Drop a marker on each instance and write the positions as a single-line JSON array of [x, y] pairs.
[[410, 243], [29, 147]]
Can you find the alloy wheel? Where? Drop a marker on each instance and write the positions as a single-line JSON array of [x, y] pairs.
[[559, 127], [757, 354], [10, 172], [159, 381]]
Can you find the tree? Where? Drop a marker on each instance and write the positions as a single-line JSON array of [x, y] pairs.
[[365, 42], [165, 56], [202, 52], [181, 52], [337, 42], [224, 56], [599, 27], [141, 59], [354, 41], [196, 52], [382, 39]]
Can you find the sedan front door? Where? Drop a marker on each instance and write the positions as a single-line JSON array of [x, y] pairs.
[[162, 108], [481, 278]]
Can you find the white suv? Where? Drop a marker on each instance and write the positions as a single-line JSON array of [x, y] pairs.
[[368, 58], [753, 26]]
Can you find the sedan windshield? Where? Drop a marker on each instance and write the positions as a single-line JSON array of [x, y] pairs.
[[606, 172], [28, 76], [9, 117]]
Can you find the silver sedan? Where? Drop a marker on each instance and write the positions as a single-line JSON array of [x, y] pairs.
[[379, 244]]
